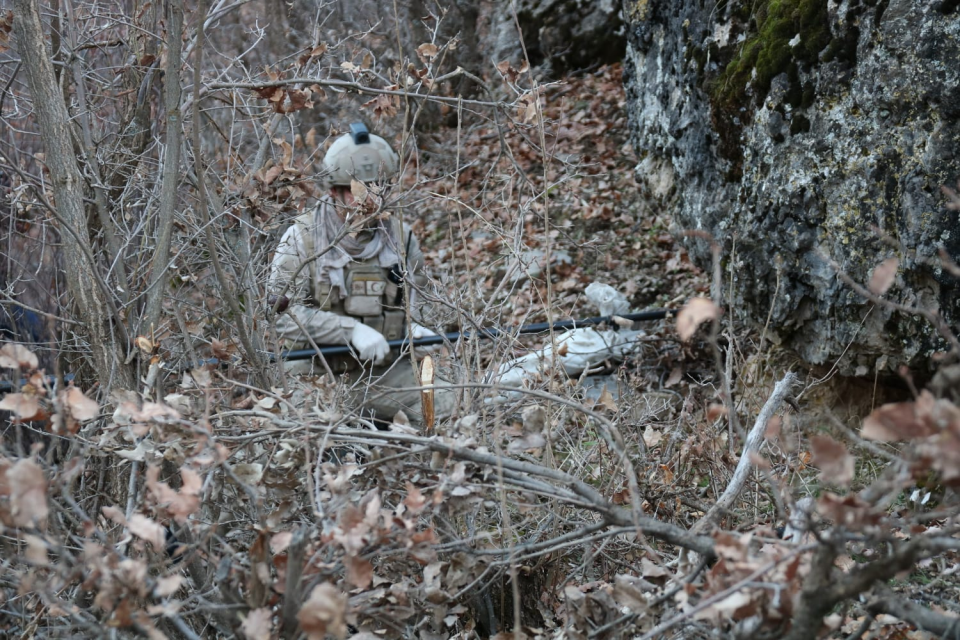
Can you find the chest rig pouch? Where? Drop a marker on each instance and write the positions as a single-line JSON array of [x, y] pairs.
[[375, 299], [374, 294]]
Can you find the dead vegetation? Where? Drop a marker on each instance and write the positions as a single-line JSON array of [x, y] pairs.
[[206, 501]]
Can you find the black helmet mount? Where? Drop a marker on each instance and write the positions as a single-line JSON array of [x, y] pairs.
[[359, 133]]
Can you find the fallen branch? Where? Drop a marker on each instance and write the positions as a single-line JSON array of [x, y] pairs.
[[939, 624], [611, 513], [752, 446]]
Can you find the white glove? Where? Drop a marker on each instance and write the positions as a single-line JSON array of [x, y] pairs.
[[369, 343], [417, 332]]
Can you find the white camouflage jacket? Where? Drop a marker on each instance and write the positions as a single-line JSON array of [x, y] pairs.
[[332, 326]]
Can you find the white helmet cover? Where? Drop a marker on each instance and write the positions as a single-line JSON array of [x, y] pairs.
[[360, 155]]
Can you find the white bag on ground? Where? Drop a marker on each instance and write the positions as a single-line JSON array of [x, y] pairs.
[[581, 349]]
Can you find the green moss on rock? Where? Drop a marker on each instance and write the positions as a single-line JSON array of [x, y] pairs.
[[766, 53], [768, 50]]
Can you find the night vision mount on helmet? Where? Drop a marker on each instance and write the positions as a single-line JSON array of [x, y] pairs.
[[359, 155]]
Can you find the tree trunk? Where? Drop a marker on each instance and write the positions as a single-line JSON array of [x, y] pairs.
[[85, 289], [171, 167]]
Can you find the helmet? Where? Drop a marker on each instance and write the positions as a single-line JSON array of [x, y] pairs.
[[359, 155]]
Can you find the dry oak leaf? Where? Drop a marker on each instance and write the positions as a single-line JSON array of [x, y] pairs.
[[25, 406], [606, 400], [36, 553], [359, 571], [114, 514], [81, 407], [903, 420], [693, 314], [17, 356], [835, 463], [28, 493], [280, 541], [323, 613], [415, 500], [427, 52], [167, 585], [883, 276], [848, 511], [651, 437], [273, 94], [316, 52], [180, 504], [258, 624], [145, 528]]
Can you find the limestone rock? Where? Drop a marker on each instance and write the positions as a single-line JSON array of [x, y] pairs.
[[792, 131], [560, 35]]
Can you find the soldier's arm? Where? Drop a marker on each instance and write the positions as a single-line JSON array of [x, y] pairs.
[[323, 326]]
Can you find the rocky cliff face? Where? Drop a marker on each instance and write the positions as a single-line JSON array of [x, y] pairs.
[[800, 131], [559, 35]]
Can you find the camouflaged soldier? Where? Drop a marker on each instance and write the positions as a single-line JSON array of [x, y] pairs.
[[355, 293]]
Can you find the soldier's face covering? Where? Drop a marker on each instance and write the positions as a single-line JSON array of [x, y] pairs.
[[349, 206]]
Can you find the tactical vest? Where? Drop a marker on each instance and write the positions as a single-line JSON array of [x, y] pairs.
[[375, 294]]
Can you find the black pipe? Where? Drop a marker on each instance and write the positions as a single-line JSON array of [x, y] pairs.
[[487, 333]]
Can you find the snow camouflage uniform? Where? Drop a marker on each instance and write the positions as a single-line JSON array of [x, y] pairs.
[[361, 280]]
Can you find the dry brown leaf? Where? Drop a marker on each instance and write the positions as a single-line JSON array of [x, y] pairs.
[[359, 191], [716, 411], [202, 377], [36, 550], [896, 421], [299, 99], [23, 405], [530, 112], [651, 437], [676, 374], [667, 474], [650, 570], [181, 505], [883, 276], [28, 493], [271, 174], [606, 399], [258, 624], [17, 356], [695, 313], [249, 474], [427, 52], [115, 514], [280, 541], [835, 463], [848, 511], [81, 407], [145, 528], [167, 585], [323, 613], [415, 499], [359, 571]]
